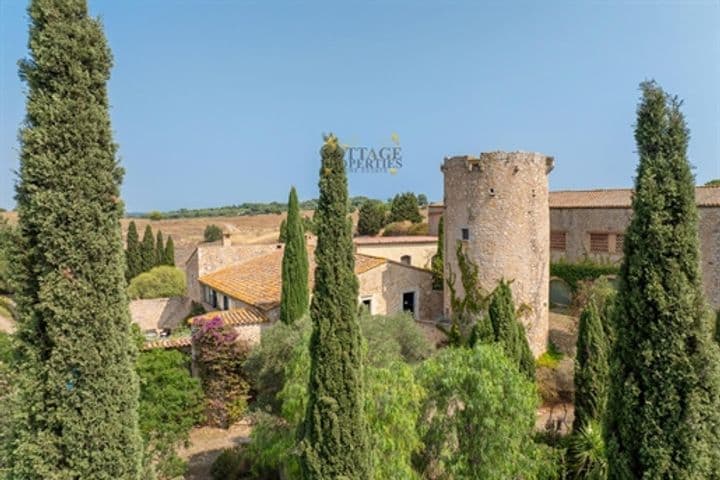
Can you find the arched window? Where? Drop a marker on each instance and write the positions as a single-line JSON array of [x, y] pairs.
[[405, 259]]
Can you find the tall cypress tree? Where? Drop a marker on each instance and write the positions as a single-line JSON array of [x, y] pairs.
[[147, 250], [334, 434], [169, 255], [508, 331], [663, 414], [591, 368], [295, 294], [133, 259], [78, 393], [159, 249]]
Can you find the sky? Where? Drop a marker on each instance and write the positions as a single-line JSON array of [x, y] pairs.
[[222, 102]]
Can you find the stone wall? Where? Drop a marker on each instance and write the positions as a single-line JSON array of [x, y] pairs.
[[420, 253], [160, 313], [385, 285], [501, 199], [578, 223], [435, 211]]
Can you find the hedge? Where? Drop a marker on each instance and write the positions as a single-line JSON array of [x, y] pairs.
[[574, 273]]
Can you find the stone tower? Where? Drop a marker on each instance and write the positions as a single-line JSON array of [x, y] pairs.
[[496, 205]]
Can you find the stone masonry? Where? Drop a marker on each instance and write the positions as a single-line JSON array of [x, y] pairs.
[[496, 205]]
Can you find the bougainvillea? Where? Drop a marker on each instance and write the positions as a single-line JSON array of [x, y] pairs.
[[220, 357]]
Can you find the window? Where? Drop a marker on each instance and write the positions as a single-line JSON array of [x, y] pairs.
[[226, 303], [558, 241], [619, 242], [213, 298], [405, 259], [367, 303], [599, 242], [465, 233]]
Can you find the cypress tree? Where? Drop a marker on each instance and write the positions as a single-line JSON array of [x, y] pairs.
[[662, 415], [591, 368], [132, 253], [282, 236], [295, 294], [334, 433], [147, 250], [438, 260], [508, 331], [159, 250], [78, 393], [169, 255]]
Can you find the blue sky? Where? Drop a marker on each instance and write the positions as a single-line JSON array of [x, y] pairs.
[[221, 102]]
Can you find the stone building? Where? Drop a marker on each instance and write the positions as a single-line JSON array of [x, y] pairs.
[[496, 207], [410, 250], [243, 285]]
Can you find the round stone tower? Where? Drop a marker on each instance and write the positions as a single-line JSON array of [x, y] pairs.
[[496, 206]]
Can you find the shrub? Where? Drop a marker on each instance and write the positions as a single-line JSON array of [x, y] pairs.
[[419, 229], [396, 229], [587, 458], [371, 218], [229, 465], [393, 338], [551, 358], [155, 215], [220, 357], [478, 417], [160, 282], [171, 403], [587, 269], [212, 233]]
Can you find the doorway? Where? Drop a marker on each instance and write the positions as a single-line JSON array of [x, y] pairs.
[[408, 303]]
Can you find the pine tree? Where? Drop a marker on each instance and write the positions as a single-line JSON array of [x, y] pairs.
[[295, 294], [159, 250], [508, 331], [169, 254], [591, 368], [147, 250], [438, 260], [371, 217], [77, 389], [662, 415], [132, 253], [334, 434], [404, 206]]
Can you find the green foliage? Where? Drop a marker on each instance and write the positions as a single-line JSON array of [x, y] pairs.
[[160, 282], [422, 200], [147, 250], [438, 260], [663, 414], [7, 397], [133, 253], [371, 218], [155, 215], [220, 357], [587, 458], [469, 322], [77, 389], [587, 269], [404, 206], [717, 326], [169, 253], [282, 235], [393, 338], [478, 417], [212, 233], [334, 432], [229, 465], [6, 242], [508, 331], [159, 250], [308, 224], [591, 368], [171, 403], [713, 183], [295, 294], [551, 358]]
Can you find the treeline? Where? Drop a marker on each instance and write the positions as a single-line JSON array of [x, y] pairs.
[[255, 208]]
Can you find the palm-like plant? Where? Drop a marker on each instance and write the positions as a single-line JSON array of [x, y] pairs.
[[587, 459]]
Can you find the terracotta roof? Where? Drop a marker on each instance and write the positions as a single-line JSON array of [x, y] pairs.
[[236, 316], [258, 281], [620, 198], [399, 239], [168, 343]]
